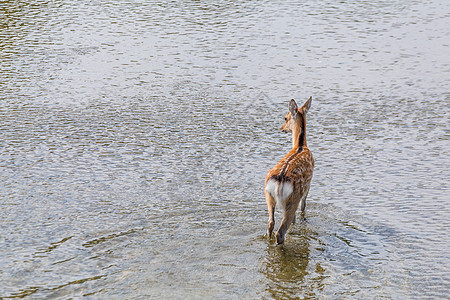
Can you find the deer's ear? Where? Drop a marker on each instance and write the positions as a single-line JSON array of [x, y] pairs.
[[307, 105], [293, 108]]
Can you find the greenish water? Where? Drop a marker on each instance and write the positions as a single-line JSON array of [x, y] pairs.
[[135, 137]]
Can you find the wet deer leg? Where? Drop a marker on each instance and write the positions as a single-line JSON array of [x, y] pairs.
[[271, 207]]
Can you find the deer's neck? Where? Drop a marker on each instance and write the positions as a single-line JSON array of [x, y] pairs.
[[299, 136]]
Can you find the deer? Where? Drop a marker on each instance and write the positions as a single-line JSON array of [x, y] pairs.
[[287, 184]]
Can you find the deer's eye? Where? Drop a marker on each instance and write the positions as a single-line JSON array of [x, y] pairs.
[[285, 118]]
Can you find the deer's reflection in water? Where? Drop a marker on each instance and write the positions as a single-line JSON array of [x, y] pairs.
[[288, 267]]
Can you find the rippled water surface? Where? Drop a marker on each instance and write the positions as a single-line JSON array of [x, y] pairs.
[[135, 137]]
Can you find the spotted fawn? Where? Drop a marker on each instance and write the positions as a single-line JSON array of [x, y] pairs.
[[287, 184]]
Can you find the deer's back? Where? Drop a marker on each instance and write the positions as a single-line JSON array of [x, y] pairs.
[[296, 168]]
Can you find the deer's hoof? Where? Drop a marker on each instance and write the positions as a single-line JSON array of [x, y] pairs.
[[280, 239]]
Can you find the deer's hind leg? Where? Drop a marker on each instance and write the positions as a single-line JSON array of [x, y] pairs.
[[288, 219], [271, 208]]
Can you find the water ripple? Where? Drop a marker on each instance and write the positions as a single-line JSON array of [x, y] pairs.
[[135, 137]]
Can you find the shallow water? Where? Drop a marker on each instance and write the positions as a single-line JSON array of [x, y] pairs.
[[135, 137]]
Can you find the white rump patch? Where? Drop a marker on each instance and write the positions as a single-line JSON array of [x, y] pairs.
[[280, 191]]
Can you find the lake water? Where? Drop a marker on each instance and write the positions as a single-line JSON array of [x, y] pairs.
[[135, 137]]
